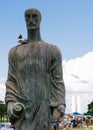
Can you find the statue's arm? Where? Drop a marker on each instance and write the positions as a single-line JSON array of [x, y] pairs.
[[11, 84], [57, 85]]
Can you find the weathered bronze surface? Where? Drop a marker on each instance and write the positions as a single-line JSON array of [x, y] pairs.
[[35, 89]]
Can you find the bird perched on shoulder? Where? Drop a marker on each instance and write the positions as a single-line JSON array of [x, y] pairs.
[[22, 40]]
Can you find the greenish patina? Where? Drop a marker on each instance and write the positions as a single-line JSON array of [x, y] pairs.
[[34, 88]]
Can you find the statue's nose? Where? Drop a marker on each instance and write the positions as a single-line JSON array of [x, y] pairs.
[[31, 19]]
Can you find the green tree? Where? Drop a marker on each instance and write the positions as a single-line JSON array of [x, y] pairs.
[[90, 109], [3, 111]]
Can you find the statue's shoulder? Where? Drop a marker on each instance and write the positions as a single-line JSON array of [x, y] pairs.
[[12, 51], [53, 48]]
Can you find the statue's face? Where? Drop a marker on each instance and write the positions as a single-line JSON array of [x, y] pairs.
[[32, 19]]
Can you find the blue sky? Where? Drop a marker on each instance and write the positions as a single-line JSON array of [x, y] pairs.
[[66, 23]]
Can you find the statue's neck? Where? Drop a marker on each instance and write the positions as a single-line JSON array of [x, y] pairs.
[[34, 35]]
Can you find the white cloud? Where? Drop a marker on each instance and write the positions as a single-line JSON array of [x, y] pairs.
[[78, 76], [2, 91], [2, 84]]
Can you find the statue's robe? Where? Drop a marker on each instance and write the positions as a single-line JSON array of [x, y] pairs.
[[35, 79]]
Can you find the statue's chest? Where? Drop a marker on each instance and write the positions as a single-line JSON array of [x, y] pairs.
[[29, 53], [31, 58]]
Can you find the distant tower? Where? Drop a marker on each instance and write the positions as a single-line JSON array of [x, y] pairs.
[[79, 104], [76, 103], [73, 104]]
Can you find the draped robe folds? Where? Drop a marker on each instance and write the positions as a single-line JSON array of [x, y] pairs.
[[35, 79]]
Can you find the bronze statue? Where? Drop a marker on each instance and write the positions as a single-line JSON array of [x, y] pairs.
[[35, 88]]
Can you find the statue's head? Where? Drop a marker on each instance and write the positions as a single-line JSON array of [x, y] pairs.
[[32, 18]]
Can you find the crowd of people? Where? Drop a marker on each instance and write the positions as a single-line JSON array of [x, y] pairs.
[[69, 122]]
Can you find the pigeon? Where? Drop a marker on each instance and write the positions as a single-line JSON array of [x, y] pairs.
[[22, 40]]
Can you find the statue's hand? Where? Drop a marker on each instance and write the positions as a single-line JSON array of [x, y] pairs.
[[58, 112], [61, 108], [10, 112]]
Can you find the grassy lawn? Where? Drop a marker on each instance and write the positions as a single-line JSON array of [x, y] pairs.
[[82, 128], [90, 128]]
